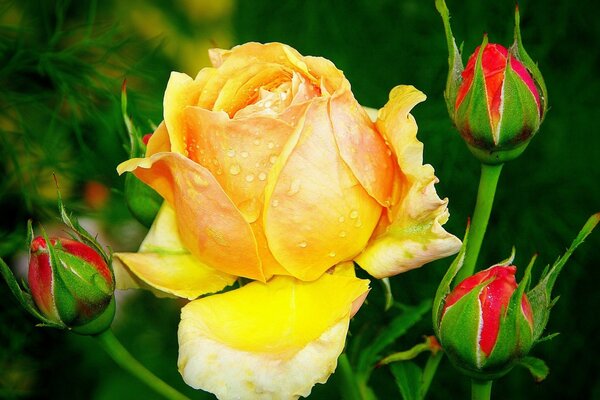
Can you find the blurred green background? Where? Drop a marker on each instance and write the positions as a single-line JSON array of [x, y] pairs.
[[62, 64]]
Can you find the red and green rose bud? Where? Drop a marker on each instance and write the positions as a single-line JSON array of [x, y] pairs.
[[486, 324], [71, 284], [498, 101]]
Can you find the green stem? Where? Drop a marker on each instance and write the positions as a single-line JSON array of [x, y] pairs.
[[483, 208], [350, 389], [121, 356], [481, 390]]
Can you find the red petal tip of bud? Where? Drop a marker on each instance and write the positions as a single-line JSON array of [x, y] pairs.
[[124, 85], [146, 138]]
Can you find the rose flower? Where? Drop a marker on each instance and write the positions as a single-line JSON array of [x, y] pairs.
[[272, 171]]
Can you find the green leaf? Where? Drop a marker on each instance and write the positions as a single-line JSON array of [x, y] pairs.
[[408, 377], [540, 297], [536, 366], [370, 354]]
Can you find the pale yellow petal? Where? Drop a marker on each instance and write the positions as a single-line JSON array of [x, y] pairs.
[[230, 373], [273, 340], [413, 235], [181, 275]]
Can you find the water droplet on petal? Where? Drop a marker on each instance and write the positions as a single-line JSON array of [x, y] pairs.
[[275, 202], [341, 218], [249, 178], [231, 153], [343, 234], [257, 142], [358, 223], [244, 154], [273, 159], [270, 145], [302, 244], [234, 169], [262, 176], [294, 187], [353, 214], [332, 254]]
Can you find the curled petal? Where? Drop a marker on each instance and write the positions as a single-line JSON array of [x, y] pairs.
[[361, 147], [210, 225], [411, 234], [273, 340], [164, 266]]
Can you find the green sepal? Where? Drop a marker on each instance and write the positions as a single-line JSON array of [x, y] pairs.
[[23, 297], [79, 289], [520, 117], [444, 287], [540, 296], [142, 201], [518, 50], [455, 65], [536, 366], [82, 234], [459, 331], [472, 118]]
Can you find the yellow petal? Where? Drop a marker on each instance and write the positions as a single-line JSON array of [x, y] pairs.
[[159, 141], [181, 91], [273, 340], [316, 212], [164, 266], [210, 225], [413, 234]]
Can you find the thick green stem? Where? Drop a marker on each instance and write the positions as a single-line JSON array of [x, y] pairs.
[[481, 390], [483, 208], [126, 361]]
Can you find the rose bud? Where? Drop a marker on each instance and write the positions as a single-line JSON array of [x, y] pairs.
[[487, 324], [71, 284], [498, 101]]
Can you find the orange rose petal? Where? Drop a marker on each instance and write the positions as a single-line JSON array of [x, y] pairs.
[[316, 212], [181, 91], [332, 78], [411, 233], [210, 225], [361, 147], [237, 153], [242, 89]]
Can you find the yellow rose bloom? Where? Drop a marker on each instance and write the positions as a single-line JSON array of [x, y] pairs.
[[272, 171]]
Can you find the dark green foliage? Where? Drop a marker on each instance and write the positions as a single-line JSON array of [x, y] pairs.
[[61, 68]]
